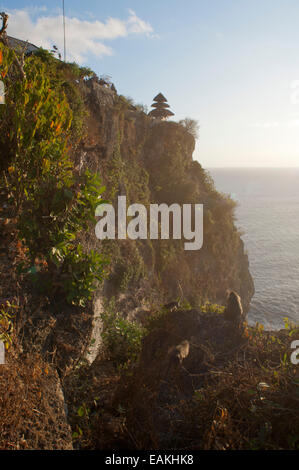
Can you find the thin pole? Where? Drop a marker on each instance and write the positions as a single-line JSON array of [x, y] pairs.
[[64, 40]]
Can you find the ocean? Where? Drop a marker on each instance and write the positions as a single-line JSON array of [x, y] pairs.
[[268, 218]]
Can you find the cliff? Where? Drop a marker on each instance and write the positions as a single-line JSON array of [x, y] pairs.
[[151, 162], [83, 306]]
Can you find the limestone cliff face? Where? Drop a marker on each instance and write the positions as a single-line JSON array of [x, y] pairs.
[[151, 162]]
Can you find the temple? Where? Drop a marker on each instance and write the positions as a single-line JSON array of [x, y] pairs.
[[160, 106]]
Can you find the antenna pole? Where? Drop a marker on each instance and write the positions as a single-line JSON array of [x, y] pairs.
[[64, 40]]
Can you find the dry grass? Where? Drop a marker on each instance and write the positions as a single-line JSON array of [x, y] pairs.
[[31, 406], [244, 406], [246, 397], [95, 422], [32, 414]]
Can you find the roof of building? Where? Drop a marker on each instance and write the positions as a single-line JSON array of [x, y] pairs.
[[160, 97], [20, 45], [160, 113], [160, 105]]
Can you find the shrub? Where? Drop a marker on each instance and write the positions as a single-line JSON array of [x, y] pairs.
[[121, 338], [191, 126], [6, 324], [52, 204], [208, 307]]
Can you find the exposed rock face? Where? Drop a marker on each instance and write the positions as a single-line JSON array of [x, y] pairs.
[[148, 162], [97, 328], [152, 162], [99, 94]]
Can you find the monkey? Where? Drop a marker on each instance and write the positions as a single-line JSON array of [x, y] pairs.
[[175, 357], [174, 371], [234, 310], [172, 306], [178, 353]]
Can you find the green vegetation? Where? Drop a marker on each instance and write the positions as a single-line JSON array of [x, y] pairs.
[[6, 323], [208, 307], [249, 405], [50, 202], [121, 338]]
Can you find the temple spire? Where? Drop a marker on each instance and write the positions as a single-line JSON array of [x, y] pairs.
[[160, 106]]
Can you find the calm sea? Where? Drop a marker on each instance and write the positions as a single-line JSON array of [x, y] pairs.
[[268, 217]]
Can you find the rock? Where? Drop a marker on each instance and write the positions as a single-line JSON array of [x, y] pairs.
[[100, 95], [177, 356]]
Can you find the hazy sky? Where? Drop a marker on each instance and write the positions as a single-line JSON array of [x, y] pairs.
[[233, 65]]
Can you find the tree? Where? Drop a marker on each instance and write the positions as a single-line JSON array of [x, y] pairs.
[[4, 17], [191, 125], [160, 106]]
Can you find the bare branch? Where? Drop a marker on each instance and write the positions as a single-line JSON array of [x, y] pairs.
[[21, 61], [4, 17]]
